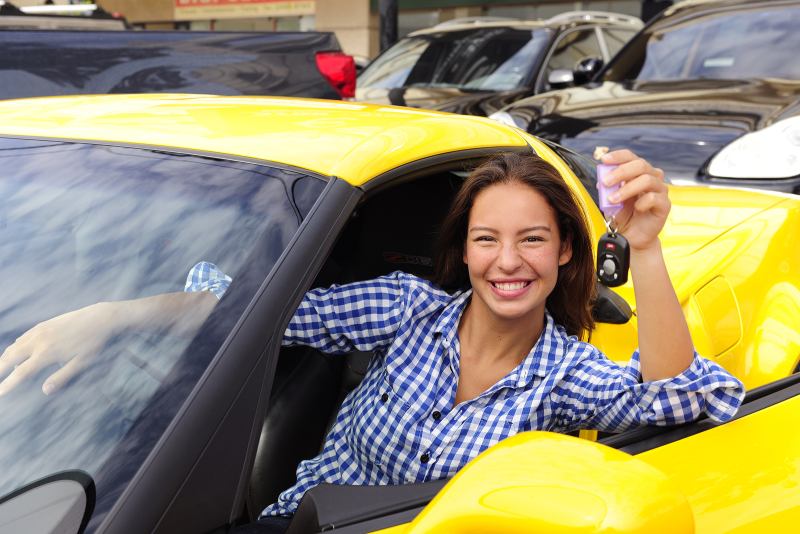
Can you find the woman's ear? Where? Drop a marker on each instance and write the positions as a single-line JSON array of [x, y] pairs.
[[566, 251]]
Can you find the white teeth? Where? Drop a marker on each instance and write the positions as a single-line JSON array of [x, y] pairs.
[[511, 286]]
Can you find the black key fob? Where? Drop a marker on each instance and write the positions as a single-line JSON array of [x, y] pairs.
[[613, 259]]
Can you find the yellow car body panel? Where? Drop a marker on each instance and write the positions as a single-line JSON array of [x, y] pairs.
[[577, 492], [743, 476], [352, 141]]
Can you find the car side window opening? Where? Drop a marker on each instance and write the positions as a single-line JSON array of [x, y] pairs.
[[616, 38], [573, 47], [82, 224]]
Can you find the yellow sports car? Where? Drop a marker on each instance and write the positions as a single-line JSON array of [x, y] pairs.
[[195, 424]]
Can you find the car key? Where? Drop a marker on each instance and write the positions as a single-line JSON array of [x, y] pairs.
[[613, 259]]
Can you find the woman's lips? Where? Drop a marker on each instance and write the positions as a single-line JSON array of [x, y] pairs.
[[511, 289]]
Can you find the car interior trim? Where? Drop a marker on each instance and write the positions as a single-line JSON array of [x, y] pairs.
[[437, 163]]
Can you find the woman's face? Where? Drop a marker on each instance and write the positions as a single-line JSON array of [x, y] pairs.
[[513, 251]]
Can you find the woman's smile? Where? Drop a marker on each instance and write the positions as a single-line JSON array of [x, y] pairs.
[[510, 288]]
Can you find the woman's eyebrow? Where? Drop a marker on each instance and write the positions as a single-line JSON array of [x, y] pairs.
[[523, 231], [535, 228]]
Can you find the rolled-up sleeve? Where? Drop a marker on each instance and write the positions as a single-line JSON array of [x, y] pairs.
[[344, 318], [205, 276], [605, 396]]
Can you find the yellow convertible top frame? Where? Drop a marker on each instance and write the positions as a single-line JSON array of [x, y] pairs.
[[352, 141]]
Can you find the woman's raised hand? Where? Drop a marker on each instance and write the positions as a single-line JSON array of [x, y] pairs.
[[644, 197]]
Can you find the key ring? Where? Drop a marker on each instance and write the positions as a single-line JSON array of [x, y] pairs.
[[611, 225]]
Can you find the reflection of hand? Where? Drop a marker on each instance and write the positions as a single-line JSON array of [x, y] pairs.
[[644, 197], [72, 340]]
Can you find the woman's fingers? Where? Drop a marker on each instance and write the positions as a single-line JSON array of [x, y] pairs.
[[644, 183], [57, 380], [619, 157], [15, 354], [631, 170], [20, 373]]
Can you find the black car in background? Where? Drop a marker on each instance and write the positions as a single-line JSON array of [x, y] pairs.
[[53, 62], [477, 66], [709, 91]]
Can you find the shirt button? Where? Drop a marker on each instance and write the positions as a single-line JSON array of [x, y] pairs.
[[384, 397], [424, 458], [436, 415]]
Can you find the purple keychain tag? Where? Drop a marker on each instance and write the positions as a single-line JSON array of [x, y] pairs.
[[609, 209]]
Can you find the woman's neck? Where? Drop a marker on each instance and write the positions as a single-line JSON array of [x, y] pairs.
[[489, 338]]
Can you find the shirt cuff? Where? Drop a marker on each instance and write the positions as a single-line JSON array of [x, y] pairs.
[[704, 386], [206, 276]]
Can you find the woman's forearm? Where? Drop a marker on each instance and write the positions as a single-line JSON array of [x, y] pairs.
[[180, 312], [665, 345]]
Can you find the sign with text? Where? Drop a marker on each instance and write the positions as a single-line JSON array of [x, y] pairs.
[[235, 9]]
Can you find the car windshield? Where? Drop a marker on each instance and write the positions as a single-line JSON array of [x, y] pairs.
[[713, 46], [86, 223], [491, 59]]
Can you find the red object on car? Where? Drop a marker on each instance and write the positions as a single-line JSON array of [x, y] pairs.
[[340, 71]]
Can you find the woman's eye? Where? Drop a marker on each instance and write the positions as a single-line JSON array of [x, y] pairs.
[[484, 238], [533, 239]]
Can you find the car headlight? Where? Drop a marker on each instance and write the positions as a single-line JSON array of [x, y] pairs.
[[773, 152], [508, 119]]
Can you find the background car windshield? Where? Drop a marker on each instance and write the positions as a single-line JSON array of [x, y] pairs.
[[492, 59], [81, 224], [715, 47]]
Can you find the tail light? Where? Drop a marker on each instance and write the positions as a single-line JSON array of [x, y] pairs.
[[340, 71]]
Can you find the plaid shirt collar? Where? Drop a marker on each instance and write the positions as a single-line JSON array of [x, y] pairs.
[[542, 358]]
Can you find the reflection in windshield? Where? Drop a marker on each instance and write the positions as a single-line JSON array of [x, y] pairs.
[[491, 59], [714, 47], [82, 224]]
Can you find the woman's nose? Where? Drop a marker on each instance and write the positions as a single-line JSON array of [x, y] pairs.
[[509, 258]]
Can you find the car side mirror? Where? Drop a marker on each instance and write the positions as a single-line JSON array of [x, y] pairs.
[[546, 482], [560, 78], [61, 503], [609, 307], [586, 69]]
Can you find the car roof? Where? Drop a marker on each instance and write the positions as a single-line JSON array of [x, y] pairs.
[[351, 140], [569, 18], [702, 6]]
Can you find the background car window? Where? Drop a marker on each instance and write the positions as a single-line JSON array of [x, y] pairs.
[[81, 224], [490, 58], [572, 48], [616, 39], [714, 47]]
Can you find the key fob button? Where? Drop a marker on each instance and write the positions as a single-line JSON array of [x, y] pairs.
[[609, 266]]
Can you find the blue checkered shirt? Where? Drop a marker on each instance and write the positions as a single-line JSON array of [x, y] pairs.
[[400, 425]]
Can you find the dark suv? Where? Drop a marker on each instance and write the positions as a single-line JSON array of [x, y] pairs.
[[709, 91], [476, 66]]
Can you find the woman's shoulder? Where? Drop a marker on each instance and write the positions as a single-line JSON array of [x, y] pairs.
[[416, 284]]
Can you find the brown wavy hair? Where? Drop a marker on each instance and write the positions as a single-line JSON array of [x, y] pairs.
[[571, 299]]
